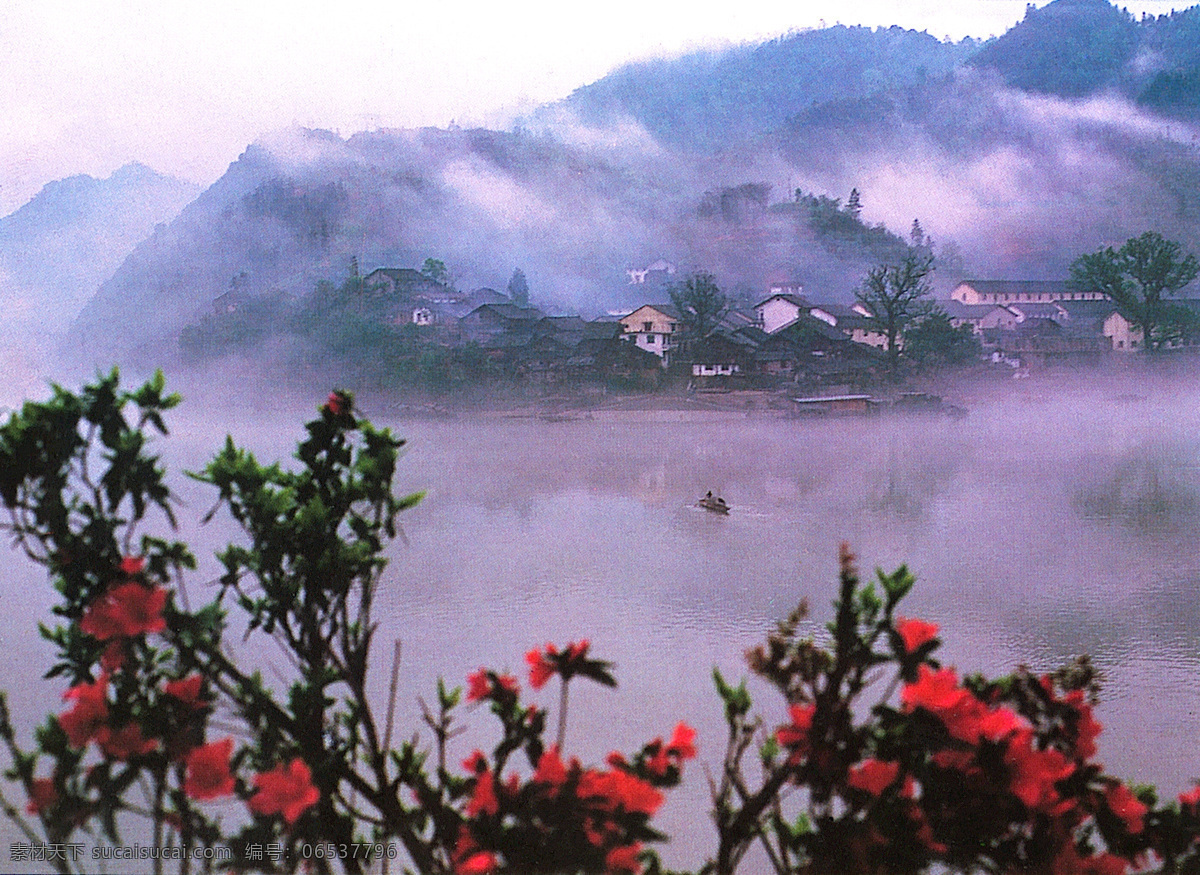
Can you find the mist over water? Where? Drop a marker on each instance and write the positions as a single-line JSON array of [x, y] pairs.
[[1059, 517]]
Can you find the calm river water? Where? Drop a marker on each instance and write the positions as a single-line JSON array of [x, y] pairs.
[[1057, 518]]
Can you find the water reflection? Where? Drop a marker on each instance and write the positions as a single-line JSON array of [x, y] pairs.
[[1043, 525], [1151, 487]]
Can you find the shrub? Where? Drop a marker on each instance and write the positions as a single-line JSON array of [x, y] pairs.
[[931, 772]]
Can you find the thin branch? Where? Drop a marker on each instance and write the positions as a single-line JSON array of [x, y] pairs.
[[392, 692]]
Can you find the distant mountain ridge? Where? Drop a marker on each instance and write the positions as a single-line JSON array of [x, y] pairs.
[[705, 99], [1076, 48], [1068, 48], [57, 248]]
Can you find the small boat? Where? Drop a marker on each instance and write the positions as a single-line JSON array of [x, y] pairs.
[[715, 504]]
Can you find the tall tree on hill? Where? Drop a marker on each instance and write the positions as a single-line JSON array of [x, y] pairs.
[[1137, 277], [518, 288], [917, 237], [896, 295], [701, 304], [854, 203]]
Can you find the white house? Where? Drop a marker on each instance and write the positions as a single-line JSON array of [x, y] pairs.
[[779, 311], [1124, 336], [1019, 291], [651, 327], [661, 270]]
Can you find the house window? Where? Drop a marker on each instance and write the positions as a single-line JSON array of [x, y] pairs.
[[647, 326]]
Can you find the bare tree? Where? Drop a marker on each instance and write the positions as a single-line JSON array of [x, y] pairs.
[[701, 304], [895, 295]]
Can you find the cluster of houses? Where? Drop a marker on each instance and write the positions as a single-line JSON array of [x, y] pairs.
[[783, 338], [1032, 321]]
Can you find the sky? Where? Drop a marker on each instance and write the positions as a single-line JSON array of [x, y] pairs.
[[91, 85]]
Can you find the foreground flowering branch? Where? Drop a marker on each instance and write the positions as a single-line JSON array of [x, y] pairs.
[[966, 774], [877, 759], [162, 723]]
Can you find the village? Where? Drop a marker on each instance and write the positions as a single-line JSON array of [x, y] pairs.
[[811, 354]]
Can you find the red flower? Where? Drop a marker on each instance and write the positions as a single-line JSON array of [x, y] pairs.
[[926, 836], [966, 717], [683, 742], [468, 858], [623, 859], [935, 691], [484, 798], [1087, 728], [42, 796], [89, 714], [1107, 864], [914, 633], [1126, 806], [132, 566], [873, 776], [795, 735], [617, 789], [476, 762], [339, 404], [286, 790], [1034, 772], [550, 769], [113, 657], [187, 691], [479, 863], [1190, 799], [126, 743], [999, 723], [480, 685], [958, 760], [1069, 862], [544, 664], [126, 610], [208, 773], [540, 668], [660, 760]]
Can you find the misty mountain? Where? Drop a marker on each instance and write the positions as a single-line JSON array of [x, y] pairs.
[[57, 248], [1022, 184], [707, 99], [1069, 132], [736, 162], [297, 207], [1076, 48], [303, 206]]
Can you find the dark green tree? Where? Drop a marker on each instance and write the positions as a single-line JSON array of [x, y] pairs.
[[701, 304], [933, 341], [435, 269], [896, 295], [1137, 277], [518, 288]]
